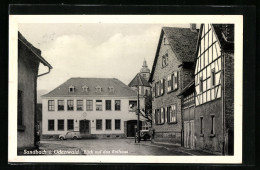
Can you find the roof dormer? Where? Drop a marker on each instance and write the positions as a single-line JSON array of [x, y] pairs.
[[111, 89], [98, 88], [85, 88], [71, 89]]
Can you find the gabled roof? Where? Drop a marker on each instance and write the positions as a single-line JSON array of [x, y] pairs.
[[120, 89], [138, 80], [36, 51], [182, 41], [226, 40]]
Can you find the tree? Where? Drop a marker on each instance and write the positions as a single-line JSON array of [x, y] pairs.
[[147, 111]]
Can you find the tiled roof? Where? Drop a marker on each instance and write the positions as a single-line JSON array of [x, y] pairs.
[[225, 35], [190, 86], [120, 89], [36, 51], [183, 42], [138, 80]]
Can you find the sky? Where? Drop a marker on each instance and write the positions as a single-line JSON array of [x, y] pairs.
[[102, 50]]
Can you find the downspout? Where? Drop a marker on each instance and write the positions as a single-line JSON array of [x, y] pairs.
[[223, 103], [36, 140]]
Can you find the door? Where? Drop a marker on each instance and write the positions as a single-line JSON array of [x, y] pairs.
[[131, 127], [186, 134], [84, 126]]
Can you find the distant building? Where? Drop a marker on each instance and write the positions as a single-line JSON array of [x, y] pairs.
[[172, 71], [145, 89], [96, 107], [214, 89], [29, 59]]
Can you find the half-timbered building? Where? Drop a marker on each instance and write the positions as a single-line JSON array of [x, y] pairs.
[[214, 88]]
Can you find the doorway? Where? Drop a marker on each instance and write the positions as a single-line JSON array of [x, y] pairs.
[[84, 126]]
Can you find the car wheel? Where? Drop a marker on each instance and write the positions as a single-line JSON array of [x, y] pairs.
[[61, 138], [74, 138], [146, 137]]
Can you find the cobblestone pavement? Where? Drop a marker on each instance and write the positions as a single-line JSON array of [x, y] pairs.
[[113, 147]]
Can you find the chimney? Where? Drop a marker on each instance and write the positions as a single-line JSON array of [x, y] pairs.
[[193, 27]]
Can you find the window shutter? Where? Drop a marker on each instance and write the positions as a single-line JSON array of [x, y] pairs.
[[162, 117], [176, 80], [156, 116], [173, 81], [174, 113], [168, 83]]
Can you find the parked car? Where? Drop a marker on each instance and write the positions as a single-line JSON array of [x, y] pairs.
[[70, 135], [144, 134]]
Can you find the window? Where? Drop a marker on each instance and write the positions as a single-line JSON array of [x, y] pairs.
[[60, 124], [132, 105], [212, 131], [170, 83], [79, 104], [50, 125], [85, 88], [162, 86], [201, 126], [111, 89], [71, 89], [162, 115], [20, 108], [159, 87], [89, 105], [98, 89], [117, 104], [172, 114], [201, 85], [70, 124], [60, 105], [70, 105], [108, 124], [175, 80], [117, 124], [108, 104], [165, 60], [99, 105], [213, 83], [50, 105], [99, 124]]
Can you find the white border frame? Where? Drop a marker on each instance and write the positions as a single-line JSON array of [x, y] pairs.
[[14, 20]]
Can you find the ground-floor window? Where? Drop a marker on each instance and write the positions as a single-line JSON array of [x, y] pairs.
[[99, 124], [212, 132], [60, 124], [50, 125], [201, 125], [70, 124], [108, 124], [117, 124]]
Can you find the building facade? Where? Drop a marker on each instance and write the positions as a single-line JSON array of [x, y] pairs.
[[214, 89], [171, 72], [96, 107], [29, 59]]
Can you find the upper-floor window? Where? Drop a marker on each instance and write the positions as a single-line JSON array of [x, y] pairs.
[[165, 60], [70, 105], [213, 83], [79, 104], [98, 89], [117, 104], [108, 104], [85, 88], [132, 105], [172, 81], [60, 105], [99, 105], [89, 105], [201, 84], [159, 88], [111, 89], [51, 106], [71, 88]]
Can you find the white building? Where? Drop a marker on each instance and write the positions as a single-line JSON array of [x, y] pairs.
[[96, 107]]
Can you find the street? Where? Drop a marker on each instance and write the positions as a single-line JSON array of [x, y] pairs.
[[113, 147]]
